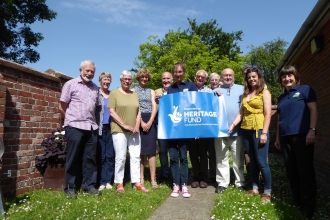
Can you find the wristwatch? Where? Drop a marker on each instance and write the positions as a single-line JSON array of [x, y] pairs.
[[314, 129]]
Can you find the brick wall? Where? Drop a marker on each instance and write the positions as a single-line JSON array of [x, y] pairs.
[[315, 72], [29, 102]]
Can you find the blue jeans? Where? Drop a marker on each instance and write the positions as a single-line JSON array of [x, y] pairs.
[[80, 166], [106, 156], [258, 159], [178, 152], [163, 157]]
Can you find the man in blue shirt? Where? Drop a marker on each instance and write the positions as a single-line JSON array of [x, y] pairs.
[[232, 94]]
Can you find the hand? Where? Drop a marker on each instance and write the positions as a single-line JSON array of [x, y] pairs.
[[128, 128], [263, 139], [218, 92], [135, 130], [157, 97], [231, 128], [144, 126], [277, 144], [310, 138]]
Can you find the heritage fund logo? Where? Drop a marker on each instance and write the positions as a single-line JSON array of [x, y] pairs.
[[176, 116]]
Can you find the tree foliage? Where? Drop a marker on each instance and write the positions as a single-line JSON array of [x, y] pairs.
[[16, 37], [267, 57], [159, 55], [213, 36]]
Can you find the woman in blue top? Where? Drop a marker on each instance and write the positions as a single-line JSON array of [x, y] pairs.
[[295, 136], [105, 149]]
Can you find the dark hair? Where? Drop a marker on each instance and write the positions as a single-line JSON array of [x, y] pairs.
[[287, 70], [175, 66], [246, 68], [260, 84]]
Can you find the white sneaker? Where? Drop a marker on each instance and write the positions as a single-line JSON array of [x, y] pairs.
[[102, 187], [185, 192], [108, 186], [176, 191]]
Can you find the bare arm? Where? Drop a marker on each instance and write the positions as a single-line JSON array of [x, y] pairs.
[[277, 141], [310, 138], [137, 124], [62, 108], [237, 120], [267, 114]]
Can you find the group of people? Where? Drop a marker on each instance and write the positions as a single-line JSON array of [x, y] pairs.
[[103, 127]]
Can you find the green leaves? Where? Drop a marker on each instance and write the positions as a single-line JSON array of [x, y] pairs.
[[16, 37]]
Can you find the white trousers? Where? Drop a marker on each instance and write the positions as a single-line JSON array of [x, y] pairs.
[[120, 143], [222, 147]]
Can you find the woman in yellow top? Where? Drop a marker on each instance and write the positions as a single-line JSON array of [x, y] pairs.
[[255, 114]]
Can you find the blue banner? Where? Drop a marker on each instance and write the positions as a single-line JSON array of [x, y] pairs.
[[192, 115]]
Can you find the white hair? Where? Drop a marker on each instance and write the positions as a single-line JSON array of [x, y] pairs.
[[87, 62], [202, 71], [126, 73], [215, 75]]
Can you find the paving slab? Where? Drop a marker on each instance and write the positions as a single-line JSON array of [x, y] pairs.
[[198, 206]]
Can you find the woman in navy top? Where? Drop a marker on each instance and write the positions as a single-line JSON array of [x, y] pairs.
[[295, 136]]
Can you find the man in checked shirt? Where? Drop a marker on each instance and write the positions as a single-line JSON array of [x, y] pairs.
[[78, 105]]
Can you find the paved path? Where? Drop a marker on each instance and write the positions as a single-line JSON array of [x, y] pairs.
[[198, 206]]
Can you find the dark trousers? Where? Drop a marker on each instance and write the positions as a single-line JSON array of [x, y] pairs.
[[163, 157], [198, 157], [299, 164], [212, 158], [80, 166], [106, 156], [178, 160]]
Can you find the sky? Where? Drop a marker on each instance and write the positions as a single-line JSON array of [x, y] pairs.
[[109, 32]]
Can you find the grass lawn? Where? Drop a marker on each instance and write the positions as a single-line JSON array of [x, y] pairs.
[[232, 204]]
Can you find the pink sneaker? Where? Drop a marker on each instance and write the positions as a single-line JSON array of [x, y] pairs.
[[176, 191], [185, 192]]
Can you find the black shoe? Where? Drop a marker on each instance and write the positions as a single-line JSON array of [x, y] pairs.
[[94, 191], [71, 195], [220, 189], [163, 179], [241, 188]]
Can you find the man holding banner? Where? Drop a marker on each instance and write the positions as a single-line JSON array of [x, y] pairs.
[[199, 146], [167, 81], [178, 147], [232, 94]]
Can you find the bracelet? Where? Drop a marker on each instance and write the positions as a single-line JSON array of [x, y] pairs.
[[264, 133]]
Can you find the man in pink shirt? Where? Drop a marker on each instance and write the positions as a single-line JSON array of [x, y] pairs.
[[78, 105]]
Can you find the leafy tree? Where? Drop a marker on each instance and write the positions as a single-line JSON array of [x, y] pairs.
[[160, 55], [213, 36], [267, 57], [16, 36]]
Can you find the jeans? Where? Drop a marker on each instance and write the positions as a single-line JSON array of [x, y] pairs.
[[106, 156], [163, 157], [299, 164], [258, 159], [80, 166], [178, 153]]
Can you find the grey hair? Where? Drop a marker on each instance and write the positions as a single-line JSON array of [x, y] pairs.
[[126, 73], [214, 75], [87, 62], [202, 71]]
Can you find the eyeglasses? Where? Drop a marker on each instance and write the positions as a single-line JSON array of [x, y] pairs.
[[127, 79], [199, 76]]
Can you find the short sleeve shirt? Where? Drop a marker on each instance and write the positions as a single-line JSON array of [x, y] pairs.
[[293, 110], [126, 107], [82, 100]]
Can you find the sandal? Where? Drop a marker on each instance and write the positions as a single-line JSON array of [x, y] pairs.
[[154, 184], [120, 188], [140, 187]]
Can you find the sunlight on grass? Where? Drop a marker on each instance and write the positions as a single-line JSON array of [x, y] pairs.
[[233, 204]]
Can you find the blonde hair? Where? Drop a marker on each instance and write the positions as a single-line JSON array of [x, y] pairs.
[[105, 75], [143, 73]]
